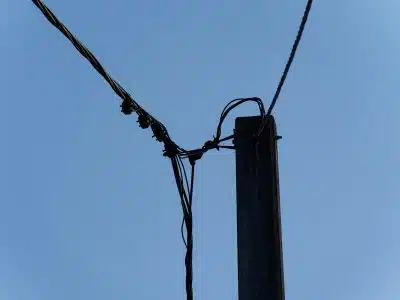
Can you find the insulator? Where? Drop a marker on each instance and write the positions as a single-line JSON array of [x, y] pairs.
[[158, 131], [126, 107], [144, 121]]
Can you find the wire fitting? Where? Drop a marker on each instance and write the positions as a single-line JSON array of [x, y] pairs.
[[170, 149], [158, 132], [194, 156], [210, 145], [144, 121], [127, 107]]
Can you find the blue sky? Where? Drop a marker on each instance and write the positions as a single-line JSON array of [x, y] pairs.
[[89, 209]]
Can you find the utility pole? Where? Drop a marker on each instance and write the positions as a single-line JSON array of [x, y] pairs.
[[260, 265]]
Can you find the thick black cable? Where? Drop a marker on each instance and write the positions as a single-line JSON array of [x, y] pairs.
[[189, 249], [181, 190], [182, 173], [186, 202], [189, 227], [189, 260], [291, 56], [160, 133], [85, 52]]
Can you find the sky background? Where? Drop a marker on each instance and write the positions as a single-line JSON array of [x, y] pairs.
[[88, 205]]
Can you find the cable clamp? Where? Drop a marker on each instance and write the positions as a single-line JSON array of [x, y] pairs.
[[158, 132], [144, 121], [127, 107], [212, 144], [170, 149], [194, 156]]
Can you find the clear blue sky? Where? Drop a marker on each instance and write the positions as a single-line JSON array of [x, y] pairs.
[[88, 206]]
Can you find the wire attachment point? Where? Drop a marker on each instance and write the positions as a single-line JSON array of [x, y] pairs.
[[144, 121], [158, 132], [194, 156], [212, 144], [170, 149], [126, 107]]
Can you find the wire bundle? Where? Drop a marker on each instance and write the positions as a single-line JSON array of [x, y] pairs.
[[171, 150], [185, 188]]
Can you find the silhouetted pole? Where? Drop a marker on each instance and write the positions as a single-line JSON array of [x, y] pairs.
[[260, 265]]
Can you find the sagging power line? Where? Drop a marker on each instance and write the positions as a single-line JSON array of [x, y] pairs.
[[172, 150]]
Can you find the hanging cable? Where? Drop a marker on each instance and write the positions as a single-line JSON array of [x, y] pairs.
[[160, 133], [128, 105], [186, 197]]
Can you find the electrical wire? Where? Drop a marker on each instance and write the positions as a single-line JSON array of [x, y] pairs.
[[159, 129], [287, 66], [186, 197], [291, 56], [175, 152], [232, 105], [182, 171], [86, 53], [172, 150]]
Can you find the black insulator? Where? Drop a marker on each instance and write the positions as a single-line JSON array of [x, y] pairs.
[[170, 149], [126, 107], [158, 132], [144, 121]]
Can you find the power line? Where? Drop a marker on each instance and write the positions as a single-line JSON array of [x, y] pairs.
[[171, 149], [160, 133], [287, 66], [129, 105], [291, 56]]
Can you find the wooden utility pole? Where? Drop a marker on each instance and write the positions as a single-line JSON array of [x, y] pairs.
[[260, 264]]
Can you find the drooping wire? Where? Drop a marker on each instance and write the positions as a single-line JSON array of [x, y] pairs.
[[232, 105], [215, 143], [186, 197]]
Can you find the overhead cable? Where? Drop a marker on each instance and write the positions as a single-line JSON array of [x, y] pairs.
[[291, 56], [160, 133]]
